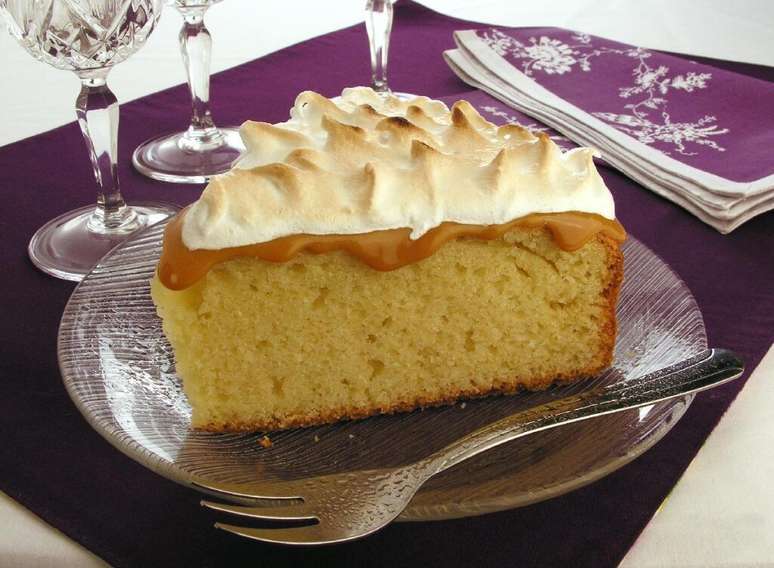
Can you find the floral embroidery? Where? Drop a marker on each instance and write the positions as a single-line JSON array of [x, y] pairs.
[[550, 55], [545, 54], [647, 118], [677, 133]]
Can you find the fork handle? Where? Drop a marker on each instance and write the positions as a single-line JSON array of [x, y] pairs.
[[708, 369]]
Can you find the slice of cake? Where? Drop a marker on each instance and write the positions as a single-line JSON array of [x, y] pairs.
[[372, 255]]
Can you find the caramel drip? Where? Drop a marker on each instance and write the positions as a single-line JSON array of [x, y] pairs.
[[389, 249]]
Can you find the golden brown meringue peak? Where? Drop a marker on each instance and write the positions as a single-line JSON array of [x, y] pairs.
[[364, 162]]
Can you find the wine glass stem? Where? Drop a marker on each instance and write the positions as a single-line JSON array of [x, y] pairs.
[[97, 111], [196, 48], [379, 25]]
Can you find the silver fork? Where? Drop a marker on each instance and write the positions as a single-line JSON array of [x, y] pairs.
[[352, 505]]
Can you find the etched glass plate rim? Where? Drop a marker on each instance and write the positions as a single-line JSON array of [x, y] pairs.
[[109, 429]]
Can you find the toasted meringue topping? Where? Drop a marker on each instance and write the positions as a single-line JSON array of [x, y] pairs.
[[367, 163]]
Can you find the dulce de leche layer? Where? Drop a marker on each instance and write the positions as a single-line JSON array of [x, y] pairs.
[[180, 267]]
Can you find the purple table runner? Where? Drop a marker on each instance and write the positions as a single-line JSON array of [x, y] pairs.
[[57, 466]]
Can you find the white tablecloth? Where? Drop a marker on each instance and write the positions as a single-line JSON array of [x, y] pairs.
[[721, 513]]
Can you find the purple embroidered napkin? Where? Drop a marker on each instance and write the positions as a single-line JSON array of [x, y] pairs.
[[693, 133], [55, 464]]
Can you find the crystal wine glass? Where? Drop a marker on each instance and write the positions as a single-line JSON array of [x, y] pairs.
[[203, 150], [378, 23], [88, 37]]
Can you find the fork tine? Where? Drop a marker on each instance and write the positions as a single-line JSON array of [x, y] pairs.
[[246, 491], [290, 513], [307, 535]]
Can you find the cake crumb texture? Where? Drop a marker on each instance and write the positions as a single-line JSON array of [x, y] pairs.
[[266, 346]]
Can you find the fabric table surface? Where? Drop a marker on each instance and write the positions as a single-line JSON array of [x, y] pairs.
[[58, 467]]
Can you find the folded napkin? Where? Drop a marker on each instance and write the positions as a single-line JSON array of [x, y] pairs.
[[697, 135]]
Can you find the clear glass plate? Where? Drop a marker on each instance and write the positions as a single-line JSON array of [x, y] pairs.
[[120, 372]]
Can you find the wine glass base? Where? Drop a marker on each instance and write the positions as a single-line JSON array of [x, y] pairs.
[[166, 158], [65, 248]]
